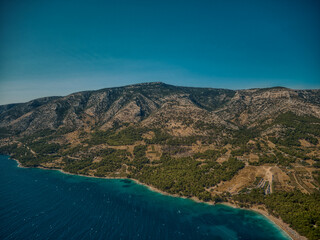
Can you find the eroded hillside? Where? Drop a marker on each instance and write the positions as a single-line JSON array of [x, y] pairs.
[[244, 146]]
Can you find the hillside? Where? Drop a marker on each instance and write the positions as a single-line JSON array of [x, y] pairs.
[[255, 146]]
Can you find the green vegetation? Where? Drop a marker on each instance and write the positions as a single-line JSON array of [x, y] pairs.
[[241, 151], [242, 136], [186, 176], [160, 137], [297, 127], [41, 147], [126, 136], [26, 157], [139, 160], [140, 151], [74, 151], [43, 134], [316, 176], [208, 154], [183, 171], [276, 158], [299, 210], [205, 126], [178, 141], [111, 160], [114, 137], [4, 132], [295, 152], [78, 167]]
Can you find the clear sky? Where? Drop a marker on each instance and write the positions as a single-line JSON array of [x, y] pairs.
[[56, 47]]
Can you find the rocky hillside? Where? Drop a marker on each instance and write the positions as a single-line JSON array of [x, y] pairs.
[[256, 146], [177, 109]]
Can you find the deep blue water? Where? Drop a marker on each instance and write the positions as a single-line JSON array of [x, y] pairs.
[[45, 204]]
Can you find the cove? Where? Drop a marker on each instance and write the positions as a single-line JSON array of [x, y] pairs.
[[46, 204]]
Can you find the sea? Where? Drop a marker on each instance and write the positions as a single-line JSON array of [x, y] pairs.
[[48, 204]]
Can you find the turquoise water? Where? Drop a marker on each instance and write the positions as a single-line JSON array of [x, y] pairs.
[[44, 204]]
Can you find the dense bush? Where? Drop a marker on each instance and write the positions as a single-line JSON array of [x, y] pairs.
[[113, 137], [299, 210], [186, 176]]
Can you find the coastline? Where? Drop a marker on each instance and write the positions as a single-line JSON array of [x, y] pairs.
[[277, 221]]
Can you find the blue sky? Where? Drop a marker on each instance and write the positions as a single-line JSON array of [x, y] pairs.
[[59, 47]]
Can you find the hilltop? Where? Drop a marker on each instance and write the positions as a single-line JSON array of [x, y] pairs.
[[249, 147]]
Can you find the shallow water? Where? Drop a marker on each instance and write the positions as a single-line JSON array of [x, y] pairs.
[[45, 204]]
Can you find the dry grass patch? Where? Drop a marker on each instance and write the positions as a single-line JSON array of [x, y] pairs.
[[153, 152]]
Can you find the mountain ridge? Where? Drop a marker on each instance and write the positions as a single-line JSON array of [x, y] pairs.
[[145, 98], [253, 147], [155, 83]]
